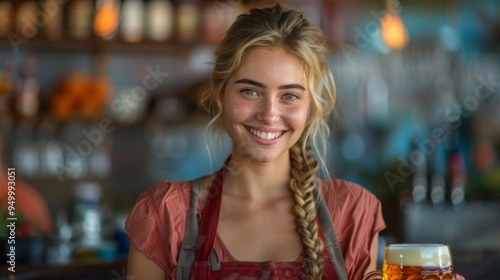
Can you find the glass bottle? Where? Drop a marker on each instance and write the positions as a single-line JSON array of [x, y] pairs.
[[213, 21], [9, 83], [87, 220], [27, 101], [107, 18], [80, 19], [458, 177], [132, 20], [6, 17], [25, 19], [53, 28], [188, 20], [160, 15]]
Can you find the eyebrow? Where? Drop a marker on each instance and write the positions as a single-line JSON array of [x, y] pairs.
[[259, 84]]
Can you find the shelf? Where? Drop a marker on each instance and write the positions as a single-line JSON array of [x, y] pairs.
[[99, 45]]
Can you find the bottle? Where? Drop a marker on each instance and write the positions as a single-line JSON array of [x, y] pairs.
[[51, 149], [188, 20], [213, 24], [25, 150], [53, 28], [132, 20], [60, 247], [80, 19], [217, 17], [27, 101], [87, 220], [438, 177], [9, 83], [6, 17], [457, 178], [107, 18], [25, 19], [420, 186], [160, 16]]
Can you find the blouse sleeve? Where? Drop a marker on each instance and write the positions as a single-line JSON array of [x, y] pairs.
[[357, 218], [143, 229]]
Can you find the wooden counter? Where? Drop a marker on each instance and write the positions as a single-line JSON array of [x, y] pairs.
[[75, 271]]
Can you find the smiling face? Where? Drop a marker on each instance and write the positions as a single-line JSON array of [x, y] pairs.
[[266, 104]]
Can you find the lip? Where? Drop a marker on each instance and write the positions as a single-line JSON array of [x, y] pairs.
[[267, 130]]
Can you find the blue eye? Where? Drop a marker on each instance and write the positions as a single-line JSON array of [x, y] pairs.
[[249, 91], [290, 97]]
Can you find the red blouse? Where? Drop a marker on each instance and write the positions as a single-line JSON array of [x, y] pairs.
[[156, 224]]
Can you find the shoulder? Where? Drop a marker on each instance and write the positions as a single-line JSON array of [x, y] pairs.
[[351, 204], [343, 192], [169, 194], [165, 199], [166, 194], [156, 222]]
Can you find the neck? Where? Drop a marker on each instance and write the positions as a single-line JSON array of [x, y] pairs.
[[258, 181]]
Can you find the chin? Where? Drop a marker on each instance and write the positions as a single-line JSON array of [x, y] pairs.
[[265, 156], [263, 159]]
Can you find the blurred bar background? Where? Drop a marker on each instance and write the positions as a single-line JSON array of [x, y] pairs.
[[98, 103]]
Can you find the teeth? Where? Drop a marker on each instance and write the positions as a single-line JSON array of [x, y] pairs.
[[264, 135]]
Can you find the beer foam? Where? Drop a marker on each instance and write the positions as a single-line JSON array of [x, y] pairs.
[[424, 255]]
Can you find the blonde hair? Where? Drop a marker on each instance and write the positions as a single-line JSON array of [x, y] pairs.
[[285, 27]]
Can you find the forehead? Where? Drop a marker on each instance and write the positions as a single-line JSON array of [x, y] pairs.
[[271, 66]]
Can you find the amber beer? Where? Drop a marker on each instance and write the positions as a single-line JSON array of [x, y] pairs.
[[415, 261]]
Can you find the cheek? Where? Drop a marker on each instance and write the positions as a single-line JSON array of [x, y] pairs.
[[297, 116], [237, 110]]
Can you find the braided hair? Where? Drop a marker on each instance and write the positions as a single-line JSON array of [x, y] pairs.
[[302, 183]]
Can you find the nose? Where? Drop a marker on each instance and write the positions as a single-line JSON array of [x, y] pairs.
[[268, 112]]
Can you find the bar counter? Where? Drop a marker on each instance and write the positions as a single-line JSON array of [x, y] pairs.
[[74, 271], [473, 264]]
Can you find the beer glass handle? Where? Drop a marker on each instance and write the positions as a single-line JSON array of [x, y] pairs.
[[374, 275]]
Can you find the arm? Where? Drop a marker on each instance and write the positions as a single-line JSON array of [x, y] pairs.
[[140, 267], [373, 254]]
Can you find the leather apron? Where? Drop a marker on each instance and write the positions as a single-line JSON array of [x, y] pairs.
[[206, 264]]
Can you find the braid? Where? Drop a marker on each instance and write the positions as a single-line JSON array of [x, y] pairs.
[[302, 183]]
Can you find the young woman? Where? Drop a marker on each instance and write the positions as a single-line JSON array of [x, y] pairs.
[[265, 214]]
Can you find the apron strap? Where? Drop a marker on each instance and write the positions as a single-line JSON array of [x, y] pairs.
[[187, 253], [188, 248], [331, 239], [210, 219]]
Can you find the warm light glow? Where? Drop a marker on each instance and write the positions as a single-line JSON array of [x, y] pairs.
[[106, 20], [393, 31]]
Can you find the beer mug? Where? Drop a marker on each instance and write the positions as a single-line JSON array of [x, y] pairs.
[[415, 261]]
